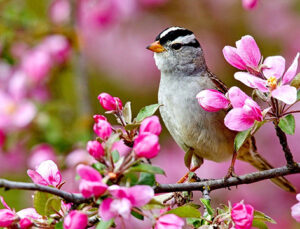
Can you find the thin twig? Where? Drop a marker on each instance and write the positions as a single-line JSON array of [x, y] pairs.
[[232, 181]]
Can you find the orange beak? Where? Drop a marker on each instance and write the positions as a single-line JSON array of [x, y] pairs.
[[156, 47]]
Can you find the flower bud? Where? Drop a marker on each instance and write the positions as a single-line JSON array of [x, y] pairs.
[[99, 117], [25, 223], [95, 149], [103, 129], [76, 220], [151, 125], [242, 215], [169, 221], [109, 103], [146, 145], [212, 100], [7, 217]]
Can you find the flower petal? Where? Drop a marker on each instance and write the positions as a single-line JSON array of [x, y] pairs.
[[251, 81], [237, 97], [36, 177], [275, 66], [49, 171], [285, 93], [291, 72], [212, 100], [140, 195], [233, 58], [248, 50], [237, 119], [104, 210], [88, 173]]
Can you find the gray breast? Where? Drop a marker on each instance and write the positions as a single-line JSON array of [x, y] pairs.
[[188, 123]]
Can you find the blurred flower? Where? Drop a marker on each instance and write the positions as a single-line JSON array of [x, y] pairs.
[[2, 138], [102, 129], [76, 220], [249, 4], [246, 55], [91, 181], [151, 125], [169, 221], [242, 215], [212, 100], [15, 113], [36, 64], [95, 149], [27, 216], [5, 72], [57, 46], [18, 85], [109, 103], [244, 113], [79, 156], [273, 69], [46, 173], [18, 49], [40, 153], [146, 145], [296, 209], [121, 148], [123, 199], [7, 216], [60, 11]]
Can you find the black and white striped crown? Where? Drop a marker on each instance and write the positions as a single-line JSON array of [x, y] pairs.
[[178, 34]]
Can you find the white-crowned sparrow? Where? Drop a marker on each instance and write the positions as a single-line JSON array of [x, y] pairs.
[[179, 57]]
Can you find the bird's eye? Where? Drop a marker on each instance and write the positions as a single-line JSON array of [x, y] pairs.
[[176, 46]]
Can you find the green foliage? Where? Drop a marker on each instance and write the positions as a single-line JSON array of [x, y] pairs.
[[59, 225], [146, 179], [207, 205], [287, 124], [136, 214], [154, 204], [263, 217], [194, 222], [46, 204], [240, 138], [105, 224], [115, 155], [127, 112], [146, 112], [147, 168], [186, 211]]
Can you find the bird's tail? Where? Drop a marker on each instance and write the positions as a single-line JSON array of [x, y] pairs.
[[248, 153]]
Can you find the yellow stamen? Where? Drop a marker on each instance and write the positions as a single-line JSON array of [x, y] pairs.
[[272, 82]]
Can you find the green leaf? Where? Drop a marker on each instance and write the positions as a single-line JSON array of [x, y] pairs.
[[137, 215], [59, 225], [259, 224], [146, 179], [188, 158], [298, 94], [263, 217], [115, 155], [130, 178], [105, 224], [207, 205], [296, 81], [146, 112], [195, 222], [147, 168], [127, 112], [132, 126], [287, 124], [153, 204], [240, 138], [45, 203], [99, 166], [186, 211]]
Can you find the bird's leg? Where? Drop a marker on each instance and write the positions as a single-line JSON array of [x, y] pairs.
[[194, 163], [231, 172]]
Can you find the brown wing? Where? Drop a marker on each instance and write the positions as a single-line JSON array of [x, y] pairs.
[[220, 85]]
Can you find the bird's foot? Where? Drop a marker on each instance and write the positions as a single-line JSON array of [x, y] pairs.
[[230, 173], [187, 175]]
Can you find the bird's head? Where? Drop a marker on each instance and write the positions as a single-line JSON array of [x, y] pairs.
[[176, 49]]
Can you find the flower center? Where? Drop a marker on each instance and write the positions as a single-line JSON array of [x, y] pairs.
[[272, 82]]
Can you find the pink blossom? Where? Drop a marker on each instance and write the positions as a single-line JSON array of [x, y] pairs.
[[212, 100], [245, 55], [15, 113], [244, 113], [242, 215], [296, 209], [169, 221], [123, 199], [121, 148], [146, 145], [249, 4], [60, 11], [151, 125], [7, 216], [78, 156], [103, 129], [57, 46], [76, 220], [27, 215], [95, 149], [25, 223], [99, 117], [36, 64], [40, 153], [109, 103], [46, 173], [275, 81], [91, 181]]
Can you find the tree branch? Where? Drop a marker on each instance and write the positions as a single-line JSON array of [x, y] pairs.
[[233, 181], [67, 196]]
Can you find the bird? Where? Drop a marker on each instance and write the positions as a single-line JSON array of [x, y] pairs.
[[201, 134]]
